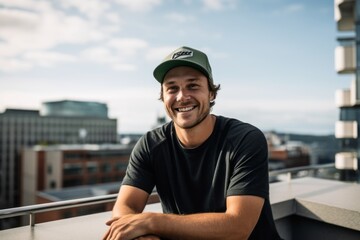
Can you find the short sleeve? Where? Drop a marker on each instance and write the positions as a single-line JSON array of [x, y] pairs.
[[250, 166], [139, 172]]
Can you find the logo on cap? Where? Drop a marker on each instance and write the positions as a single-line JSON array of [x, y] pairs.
[[182, 54]]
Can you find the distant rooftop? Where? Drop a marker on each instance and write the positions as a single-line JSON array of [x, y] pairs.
[[81, 191], [64, 108], [69, 108], [12, 111]]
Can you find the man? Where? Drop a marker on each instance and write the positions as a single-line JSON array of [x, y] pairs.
[[211, 172]]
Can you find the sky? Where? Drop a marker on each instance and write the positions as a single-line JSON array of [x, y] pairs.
[[274, 59]]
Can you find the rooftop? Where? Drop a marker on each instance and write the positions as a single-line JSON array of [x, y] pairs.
[[81, 191], [303, 208]]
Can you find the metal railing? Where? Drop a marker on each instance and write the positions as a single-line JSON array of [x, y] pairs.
[[31, 210], [290, 171]]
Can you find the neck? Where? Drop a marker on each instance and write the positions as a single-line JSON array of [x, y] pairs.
[[194, 137]]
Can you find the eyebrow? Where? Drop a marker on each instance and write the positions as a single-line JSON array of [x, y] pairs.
[[191, 80]]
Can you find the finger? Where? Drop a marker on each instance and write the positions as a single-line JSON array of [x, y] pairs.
[[109, 222], [106, 234]]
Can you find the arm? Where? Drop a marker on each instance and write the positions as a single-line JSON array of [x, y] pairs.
[[237, 222], [130, 200]]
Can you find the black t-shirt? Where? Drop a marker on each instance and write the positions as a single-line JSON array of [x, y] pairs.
[[232, 161]]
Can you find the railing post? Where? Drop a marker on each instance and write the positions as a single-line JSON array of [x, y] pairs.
[[32, 219], [289, 176]]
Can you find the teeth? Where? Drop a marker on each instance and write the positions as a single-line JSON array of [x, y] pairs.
[[185, 109]]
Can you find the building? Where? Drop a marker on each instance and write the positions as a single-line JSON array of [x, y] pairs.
[[74, 108], [347, 61], [48, 168], [65, 122], [72, 193], [284, 153]]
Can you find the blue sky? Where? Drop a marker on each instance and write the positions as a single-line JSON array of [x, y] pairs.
[[274, 59]]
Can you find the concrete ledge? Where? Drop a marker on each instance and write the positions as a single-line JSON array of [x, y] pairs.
[[327, 202]]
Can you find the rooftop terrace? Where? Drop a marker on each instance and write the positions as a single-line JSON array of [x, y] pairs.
[[303, 208]]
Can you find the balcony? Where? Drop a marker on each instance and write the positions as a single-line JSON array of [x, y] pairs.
[[345, 59], [304, 207], [346, 129], [343, 98], [344, 14], [346, 160], [347, 97]]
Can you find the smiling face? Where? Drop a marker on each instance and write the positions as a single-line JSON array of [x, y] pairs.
[[186, 96]]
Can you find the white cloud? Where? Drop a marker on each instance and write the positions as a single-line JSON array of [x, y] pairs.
[[159, 53], [17, 19], [128, 46], [14, 65], [125, 67], [93, 9], [36, 26], [34, 5], [118, 53], [70, 29], [179, 17], [113, 18], [99, 54], [47, 58], [139, 5], [219, 4]]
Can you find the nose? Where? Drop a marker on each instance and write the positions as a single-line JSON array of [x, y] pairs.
[[182, 96]]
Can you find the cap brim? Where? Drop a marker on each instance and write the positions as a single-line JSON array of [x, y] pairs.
[[161, 70]]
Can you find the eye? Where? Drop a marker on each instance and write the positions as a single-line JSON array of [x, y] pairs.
[[193, 86], [171, 89]]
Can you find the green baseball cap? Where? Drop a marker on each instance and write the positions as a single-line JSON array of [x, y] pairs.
[[184, 56]]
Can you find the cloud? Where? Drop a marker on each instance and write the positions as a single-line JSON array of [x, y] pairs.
[[47, 58], [128, 46], [158, 53], [179, 18], [99, 55], [93, 9], [125, 67], [14, 65], [139, 5], [219, 4], [117, 53], [36, 26]]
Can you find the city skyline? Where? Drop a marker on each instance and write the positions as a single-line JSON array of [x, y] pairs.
[[274, 59]]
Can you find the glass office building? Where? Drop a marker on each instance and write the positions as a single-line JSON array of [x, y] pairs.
[[62, 122]]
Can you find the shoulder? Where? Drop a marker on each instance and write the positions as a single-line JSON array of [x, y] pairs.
[[236, 129], [155, 138]]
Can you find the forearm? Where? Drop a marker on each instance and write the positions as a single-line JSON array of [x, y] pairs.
[[198, 226], [120, 211], [129, 201]]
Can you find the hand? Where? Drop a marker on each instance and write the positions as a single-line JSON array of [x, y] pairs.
[[129, 227]]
